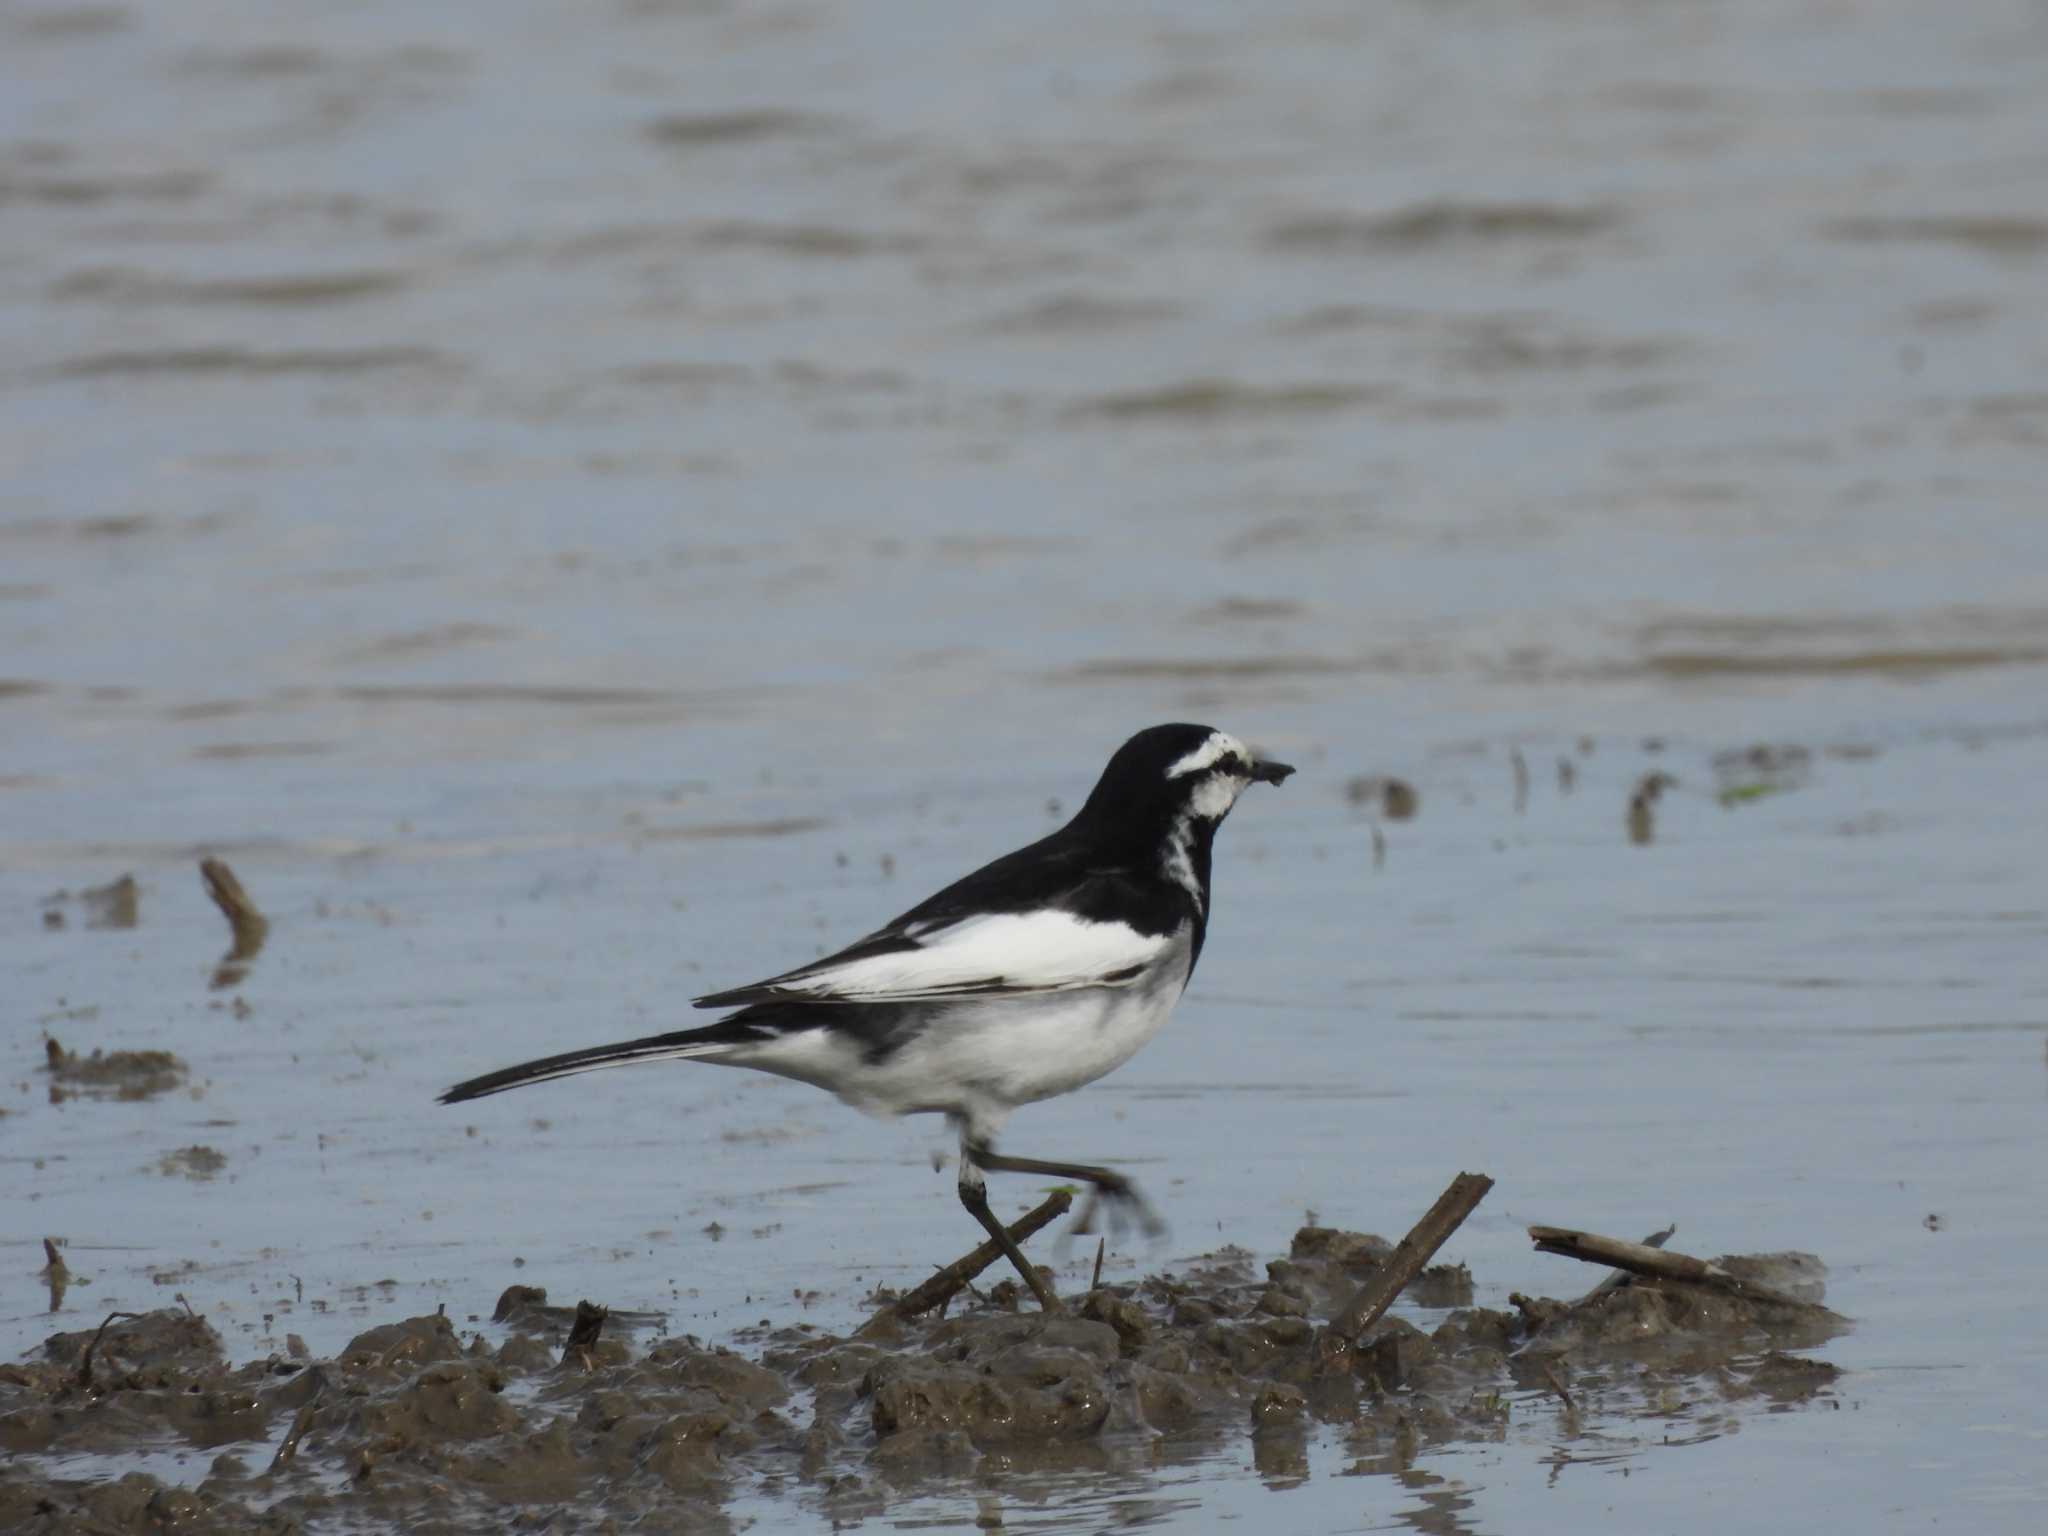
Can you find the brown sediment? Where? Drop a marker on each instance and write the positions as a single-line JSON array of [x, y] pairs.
[[1433, 224], [1642, 807], [1203, 669], [714, 831], [1992, 234], [195, 1162], [1217, 399], [122, 285], [110, 1074], [708, 129], [242, 362], [1746, 774], [414, 1421], [1904, 661], [1395, 799], [117, 904]]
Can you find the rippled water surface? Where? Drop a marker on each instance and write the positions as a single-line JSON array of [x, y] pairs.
[[585, 505]]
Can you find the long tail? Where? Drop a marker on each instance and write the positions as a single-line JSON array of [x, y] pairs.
[[677, 1046]]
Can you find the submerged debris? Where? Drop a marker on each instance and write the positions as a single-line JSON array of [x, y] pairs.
[[249, 926], [55, 1273], [123, 1075], [195, 1162], [117, 904], [1395, 799], [1752, 773], [1642, 807]]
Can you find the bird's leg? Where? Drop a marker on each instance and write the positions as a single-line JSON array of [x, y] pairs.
[[974, 1195], [1106, 1183]]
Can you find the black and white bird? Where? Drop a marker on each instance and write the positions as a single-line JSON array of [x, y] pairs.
[[1032, 976]]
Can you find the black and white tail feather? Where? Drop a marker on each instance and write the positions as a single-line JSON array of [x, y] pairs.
[[1034, 975], [677, 1045]]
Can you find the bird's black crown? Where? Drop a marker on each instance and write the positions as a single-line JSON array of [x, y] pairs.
[[1155, 778]]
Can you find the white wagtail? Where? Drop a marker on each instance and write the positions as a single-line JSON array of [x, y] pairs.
[[1029, 978]]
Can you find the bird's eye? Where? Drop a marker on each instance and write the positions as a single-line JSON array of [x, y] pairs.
[[1235, 766]]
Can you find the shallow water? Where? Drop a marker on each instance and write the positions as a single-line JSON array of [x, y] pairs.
[[584, 510]]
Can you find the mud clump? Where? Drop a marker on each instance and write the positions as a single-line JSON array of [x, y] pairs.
[[196, 1162], [1395, 799], [117, 904], [416, 1422], [123, 1075]]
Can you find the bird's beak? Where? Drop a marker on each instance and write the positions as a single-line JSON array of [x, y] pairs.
[[1270, 772]]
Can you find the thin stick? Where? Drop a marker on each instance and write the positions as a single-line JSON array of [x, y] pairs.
[[289, 1446], [1660, 1264], [1409, 1256], [1550, 1375], [950, 1281], [85, 1360], [1095, 1280], [301, 1421], [249, 926]]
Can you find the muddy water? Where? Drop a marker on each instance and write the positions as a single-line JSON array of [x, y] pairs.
[[579, 510]]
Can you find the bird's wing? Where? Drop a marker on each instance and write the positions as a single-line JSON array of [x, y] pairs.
[[1061, 940]]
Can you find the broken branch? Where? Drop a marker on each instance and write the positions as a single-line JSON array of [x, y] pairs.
[[951, 1280], [85, 1360], [583, 1332], [1661, 1264], [249, 926], [1409, 1257], [1619, 1277]]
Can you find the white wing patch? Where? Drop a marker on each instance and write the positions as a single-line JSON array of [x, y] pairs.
[[1219, 746], [995, 953]]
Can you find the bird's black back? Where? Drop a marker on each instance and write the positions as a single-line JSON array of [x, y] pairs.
[[1105, 865]]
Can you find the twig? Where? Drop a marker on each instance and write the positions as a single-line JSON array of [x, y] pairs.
[[301, 1422], [1550, 1375], [56, 1274], [85, 1360], [1095, 1280], [289, 1446], [249, 926], [1409, 1256], [1660, 1264], [942, 1286]]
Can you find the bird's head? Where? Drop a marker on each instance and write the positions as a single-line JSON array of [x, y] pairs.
[[1175, 773]]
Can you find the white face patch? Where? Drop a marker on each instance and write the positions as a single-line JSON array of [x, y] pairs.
[[1215, 795], [1211, 752], [1211, 801]]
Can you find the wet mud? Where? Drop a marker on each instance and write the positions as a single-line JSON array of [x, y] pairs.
[[117, 904], [126, 1075], [419, 1425]]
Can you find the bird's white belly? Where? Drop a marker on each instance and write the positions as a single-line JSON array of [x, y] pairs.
[[1026, 1051], [981, 1059]]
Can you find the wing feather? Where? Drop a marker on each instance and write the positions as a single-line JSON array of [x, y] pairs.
[[977, 954]]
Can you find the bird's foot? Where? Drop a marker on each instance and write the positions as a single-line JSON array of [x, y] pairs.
[[1110, 1192]]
